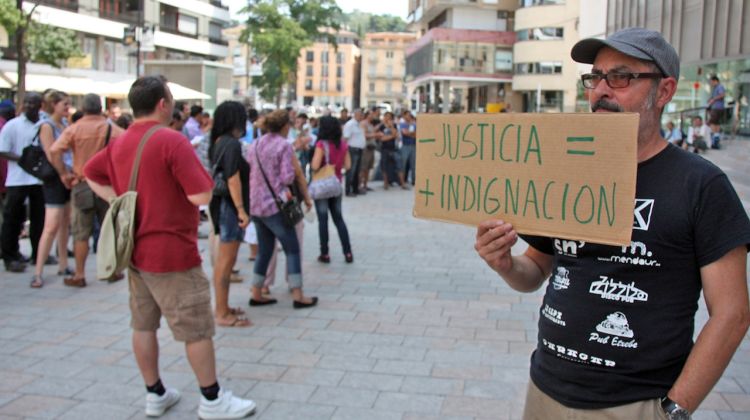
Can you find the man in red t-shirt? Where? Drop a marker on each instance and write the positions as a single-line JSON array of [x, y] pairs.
[[165, 273]]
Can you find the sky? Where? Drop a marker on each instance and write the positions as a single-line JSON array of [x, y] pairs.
[[379, 7]]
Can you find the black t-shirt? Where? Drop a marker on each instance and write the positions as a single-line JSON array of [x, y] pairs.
[[388, 131], [616, 323], [229, 150]]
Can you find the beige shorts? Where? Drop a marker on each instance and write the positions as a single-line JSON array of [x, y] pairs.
[[368, 159], [82, 221], [184, 298], [540, 406]]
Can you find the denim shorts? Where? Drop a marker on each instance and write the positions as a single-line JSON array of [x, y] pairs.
[[229, 224]]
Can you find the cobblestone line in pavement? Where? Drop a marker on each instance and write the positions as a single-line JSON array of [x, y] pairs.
[[416, 328]]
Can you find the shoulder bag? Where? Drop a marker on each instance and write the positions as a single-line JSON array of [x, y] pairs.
[[34, 161], [117, 233], [325, 184], [221, 188], [291, 210]]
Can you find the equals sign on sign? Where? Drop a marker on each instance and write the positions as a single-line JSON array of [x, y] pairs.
[[579, 142]]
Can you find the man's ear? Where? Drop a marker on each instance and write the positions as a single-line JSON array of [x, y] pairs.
[[666, 90]]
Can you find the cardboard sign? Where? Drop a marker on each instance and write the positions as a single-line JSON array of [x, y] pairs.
[[567, 176]]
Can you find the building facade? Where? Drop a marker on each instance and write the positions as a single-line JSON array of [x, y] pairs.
[[328, 76], [171, 30], [463, 59], [544, 75], [383, 68], [245, 66], [711, 37]]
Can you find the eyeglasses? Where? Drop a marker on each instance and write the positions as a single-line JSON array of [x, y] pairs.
[[615, 80]]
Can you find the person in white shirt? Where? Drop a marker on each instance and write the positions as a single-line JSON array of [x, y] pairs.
[[673, 134], [698, 136], [355, 137]]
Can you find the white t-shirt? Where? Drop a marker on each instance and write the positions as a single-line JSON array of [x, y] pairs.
[[702, 131], [353, 134], [14, 137]]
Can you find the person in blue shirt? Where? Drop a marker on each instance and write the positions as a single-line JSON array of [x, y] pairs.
[[715, 107]]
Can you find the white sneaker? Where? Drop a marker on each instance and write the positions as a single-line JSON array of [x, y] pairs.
[[226, 406], [157, 405]]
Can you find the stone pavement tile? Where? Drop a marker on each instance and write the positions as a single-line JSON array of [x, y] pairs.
[[347, 413], [513, 375], [281, 410], [422, 320], [402, 301], [518, 347], [345, 349], [377, 308], [430, 343], [38, 335], [478, 324], [705, 415], [436, 386], [715, 401], [291, 358], [379, 317], [492, 390], [286, 332], [282, 391], [328, 336], [377, 339], [413, 416], [738, 402], [48, 351], [397, 353], [181, 364], [461, 356], [11, 381], [354, 364], [353, 326], [10, 346], [285, 344], [475, 407], [24, 322], [461, 372], [729, 415], [448, 332], [238, 354], [86, 339], [398, 367], [360, 299], [6, 397], [331, 314], [501, 358], [306, 323], [407, 330], [91, 410], [242, 342], [373, 381], [344, 397], [97, 356], [495, 334], [409, 403], [508, 314], [375, 292], [254, 371], [312, 376], [113, 393], [55, 387], [417, 294], [37, 406], [57, 368]]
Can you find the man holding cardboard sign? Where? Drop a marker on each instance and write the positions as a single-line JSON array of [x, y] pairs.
[[616, 323]]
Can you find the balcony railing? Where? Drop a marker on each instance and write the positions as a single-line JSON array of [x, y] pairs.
[[126, 17], [71, 5], [173, 30], [219, 41]]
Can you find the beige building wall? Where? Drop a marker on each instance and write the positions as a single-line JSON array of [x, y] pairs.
[[239, 58], [383, 68], [548, 52], [326, 76]]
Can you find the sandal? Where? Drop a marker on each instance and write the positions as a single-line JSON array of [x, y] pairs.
[[237, 321], [324, 258], [74, 282], [36, 282], [263, 302], [349, 258], [236, 311]]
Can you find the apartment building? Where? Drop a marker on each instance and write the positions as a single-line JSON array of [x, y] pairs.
[[544, 75], [173, 30], [245, 65], [711, 38], [384, 67], [328, 76], [463, 59]]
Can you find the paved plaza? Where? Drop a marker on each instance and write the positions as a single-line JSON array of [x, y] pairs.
[[417, 328]]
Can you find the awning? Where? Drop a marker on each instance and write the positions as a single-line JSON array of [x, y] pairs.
[[82, 86]]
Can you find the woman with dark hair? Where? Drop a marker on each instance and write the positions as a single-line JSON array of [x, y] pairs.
[[273, 168], [229, 214], [56, 195], [331, 150]]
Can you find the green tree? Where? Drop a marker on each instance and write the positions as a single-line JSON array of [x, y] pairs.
[[278, 30], [35, 41]]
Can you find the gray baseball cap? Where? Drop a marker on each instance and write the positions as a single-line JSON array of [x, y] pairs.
[[640, 43]]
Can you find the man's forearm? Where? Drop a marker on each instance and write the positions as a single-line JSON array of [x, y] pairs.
[[57, 162], [9, 156], [716, 343]]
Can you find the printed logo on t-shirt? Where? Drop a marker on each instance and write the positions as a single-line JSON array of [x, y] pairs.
[[613, 330], [642, 213], [561, 280], [610, 289], [553, 315], [575, 355], [635, 254], [568, 248]]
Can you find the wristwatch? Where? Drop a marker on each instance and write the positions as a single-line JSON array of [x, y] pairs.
[[673, 410]]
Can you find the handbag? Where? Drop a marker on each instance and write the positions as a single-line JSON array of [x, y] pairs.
[[83, 196], [291, 210], [34, 161], [325, 184], [221, 188]]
